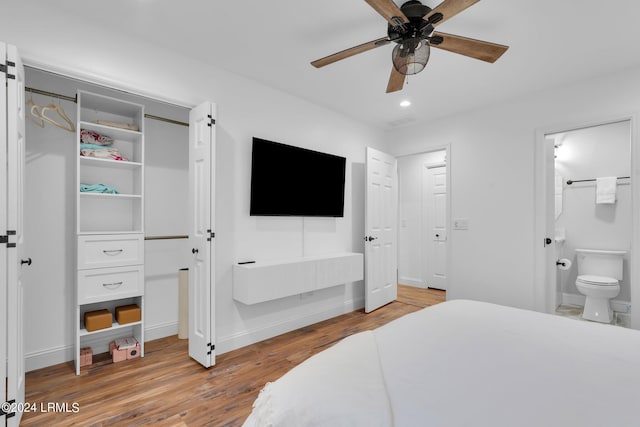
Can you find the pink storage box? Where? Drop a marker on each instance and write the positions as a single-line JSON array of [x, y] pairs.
[[86, 356], [133, 352], [119, 355]]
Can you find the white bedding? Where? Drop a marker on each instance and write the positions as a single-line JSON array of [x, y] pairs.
[[464, 363]]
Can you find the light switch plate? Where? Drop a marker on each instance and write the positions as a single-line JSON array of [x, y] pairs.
[[461, 224]]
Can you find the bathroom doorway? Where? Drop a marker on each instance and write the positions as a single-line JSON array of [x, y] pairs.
[[570, 216]]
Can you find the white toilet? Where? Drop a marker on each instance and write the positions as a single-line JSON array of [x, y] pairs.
[[598, 276]]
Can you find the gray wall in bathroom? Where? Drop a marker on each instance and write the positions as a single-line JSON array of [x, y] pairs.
[[590, 153]]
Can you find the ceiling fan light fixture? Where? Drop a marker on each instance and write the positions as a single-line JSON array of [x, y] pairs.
[[411, 56]]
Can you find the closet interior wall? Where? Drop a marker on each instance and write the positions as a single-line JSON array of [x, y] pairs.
[[50, 223]]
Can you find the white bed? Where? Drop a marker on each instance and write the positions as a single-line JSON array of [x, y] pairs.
[[464, 363]]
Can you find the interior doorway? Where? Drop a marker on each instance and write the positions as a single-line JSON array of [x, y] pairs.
[[569, 160], [423, 219]]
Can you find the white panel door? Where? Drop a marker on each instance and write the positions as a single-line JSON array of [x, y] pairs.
[[380, 222], [554, 296], [15, 229], [434, 199], [201, 234], [3, 225]]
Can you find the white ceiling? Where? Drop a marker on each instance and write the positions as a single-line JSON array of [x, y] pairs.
[[552, 43]]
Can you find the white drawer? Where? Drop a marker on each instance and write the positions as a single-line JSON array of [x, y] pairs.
[[110, 250], [104, 284]]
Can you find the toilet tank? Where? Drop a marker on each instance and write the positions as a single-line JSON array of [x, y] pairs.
[[600, 262]]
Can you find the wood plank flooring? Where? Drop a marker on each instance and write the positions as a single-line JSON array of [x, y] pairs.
[[167, 388]]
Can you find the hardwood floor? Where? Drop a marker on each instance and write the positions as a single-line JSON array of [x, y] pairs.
[[167, 388]]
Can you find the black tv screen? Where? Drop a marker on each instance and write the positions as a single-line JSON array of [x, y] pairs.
[[293, 181]]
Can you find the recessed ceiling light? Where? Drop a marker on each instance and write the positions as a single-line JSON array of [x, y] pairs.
[[405, 103]]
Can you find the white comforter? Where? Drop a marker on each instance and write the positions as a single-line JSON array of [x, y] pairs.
[[464, 363]]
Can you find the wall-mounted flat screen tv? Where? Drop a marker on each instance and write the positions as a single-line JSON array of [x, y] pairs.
[[293, 181]]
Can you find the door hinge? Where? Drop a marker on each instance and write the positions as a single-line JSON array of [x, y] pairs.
[[547, 241], [3, 68], [5, 239], [210, 347], [10, 64], [8, 404], [212, 121], [212, 235]]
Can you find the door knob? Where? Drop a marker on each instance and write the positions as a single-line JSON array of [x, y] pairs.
[[370, 238], [26, 261], [194, 251]]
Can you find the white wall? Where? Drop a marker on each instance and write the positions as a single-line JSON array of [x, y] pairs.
[[245, 109], [491, 164], [590, 153], [411, 256]]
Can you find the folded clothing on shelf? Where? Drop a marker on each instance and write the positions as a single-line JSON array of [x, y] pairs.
[[101, 152], [97, 188], [92, 137]]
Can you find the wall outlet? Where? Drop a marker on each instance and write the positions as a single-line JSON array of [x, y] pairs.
[[461, 224]]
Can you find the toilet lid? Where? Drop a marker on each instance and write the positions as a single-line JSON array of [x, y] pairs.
[[597, 280]]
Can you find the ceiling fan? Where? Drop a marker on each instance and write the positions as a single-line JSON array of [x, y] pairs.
[[411, 27]]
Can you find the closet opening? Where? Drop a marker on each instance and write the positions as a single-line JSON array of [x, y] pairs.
[[50, 213]]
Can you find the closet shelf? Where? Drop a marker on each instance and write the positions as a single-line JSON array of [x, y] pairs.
[[114, 326], [109, 227], [108, 163], [110, 196], [108, 233], [117, 134]]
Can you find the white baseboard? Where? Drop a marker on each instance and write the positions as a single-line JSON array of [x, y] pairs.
[[99, 343], [616, 305], [48, 357], [160, 331], [56, 355], [411, 281], [252, 336]]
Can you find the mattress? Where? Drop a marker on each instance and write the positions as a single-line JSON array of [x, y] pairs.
[[464, 363]]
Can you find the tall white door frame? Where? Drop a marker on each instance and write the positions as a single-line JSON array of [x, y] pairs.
[[3, 227], [447, 149], [544, 293], [13, 148], [202, 144]]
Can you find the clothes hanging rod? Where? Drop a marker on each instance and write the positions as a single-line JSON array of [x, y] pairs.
[[179, 236], [569, 182], [54, 95], [162, 119], [75, 100]]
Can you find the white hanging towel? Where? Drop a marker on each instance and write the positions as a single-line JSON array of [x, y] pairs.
[[606, 190]]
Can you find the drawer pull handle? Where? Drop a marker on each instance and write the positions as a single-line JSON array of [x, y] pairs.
[[112, 251], [113, 285]]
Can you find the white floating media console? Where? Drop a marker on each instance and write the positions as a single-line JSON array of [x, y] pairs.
[[266, 281]]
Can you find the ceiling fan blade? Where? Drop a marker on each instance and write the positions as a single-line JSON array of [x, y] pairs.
[[478, 49], [449, 9], [396, 81], [350, 52], [389, 10]]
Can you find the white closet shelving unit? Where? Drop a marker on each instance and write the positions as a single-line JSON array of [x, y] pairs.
[[110, 227]]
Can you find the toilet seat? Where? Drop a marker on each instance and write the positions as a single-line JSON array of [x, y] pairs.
[[589, 279]]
